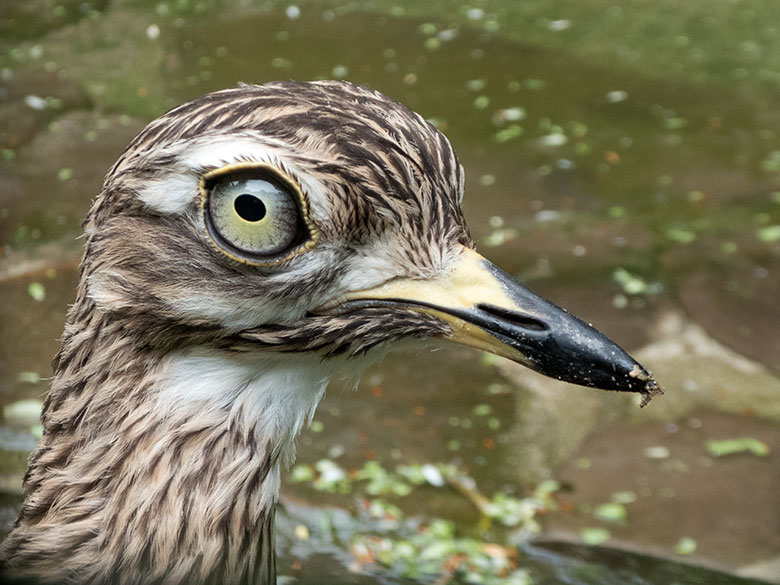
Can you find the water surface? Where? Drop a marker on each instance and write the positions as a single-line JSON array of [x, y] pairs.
[[647, 205]]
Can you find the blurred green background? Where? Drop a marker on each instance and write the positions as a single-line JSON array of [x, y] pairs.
[[622, 158]]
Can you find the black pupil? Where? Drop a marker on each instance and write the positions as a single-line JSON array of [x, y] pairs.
[[249, 207]]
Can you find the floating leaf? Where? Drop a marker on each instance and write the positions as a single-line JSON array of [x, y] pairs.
[[301, 532], [657, 452], [301, 473], [35, 102], [432, 43], [513, 511], [381, 482], [432, 475], [28, 377], [23, 412], [719, 448], [769, 234], [428, 28], [37, 291], [626, 497], [594, 536], [631, 283], [513, 114], [534, 84], [674, 123], [686, 546], [509, 133], [771, 162], [584, 463], [680, 235], [332, 478], [617, 96], [481, 102], [611, 512], [281, 63], [483, 409], [546, 489], [554, 139], [340, 71]]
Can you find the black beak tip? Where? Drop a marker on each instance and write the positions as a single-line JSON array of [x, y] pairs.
[[603, 364], [620, 374], [623, 374], [559, 345]]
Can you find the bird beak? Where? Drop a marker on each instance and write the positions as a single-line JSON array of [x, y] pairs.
[[488, 309]]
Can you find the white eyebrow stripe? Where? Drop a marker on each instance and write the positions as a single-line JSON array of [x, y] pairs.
[[216, 151], [178, 189]]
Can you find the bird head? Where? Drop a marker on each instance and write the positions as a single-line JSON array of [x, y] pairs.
[[320, 218], [246, 246]]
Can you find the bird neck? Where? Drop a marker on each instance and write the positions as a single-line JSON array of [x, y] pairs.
[[160, 466]]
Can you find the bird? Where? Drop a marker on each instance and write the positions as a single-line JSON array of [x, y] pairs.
[[247, 246]]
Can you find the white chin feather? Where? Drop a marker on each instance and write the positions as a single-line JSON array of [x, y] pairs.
[[265, 394]]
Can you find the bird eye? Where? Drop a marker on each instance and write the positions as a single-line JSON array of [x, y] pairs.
[[253, 214]]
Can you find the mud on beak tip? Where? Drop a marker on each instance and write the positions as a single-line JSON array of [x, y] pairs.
[[651, 389]]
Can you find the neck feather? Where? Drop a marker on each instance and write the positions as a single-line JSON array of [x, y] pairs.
[[160, 468]]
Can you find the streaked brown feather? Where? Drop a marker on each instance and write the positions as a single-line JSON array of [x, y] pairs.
[[123, 490]]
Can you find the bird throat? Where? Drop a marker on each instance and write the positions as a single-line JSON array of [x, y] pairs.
[[163, 469]]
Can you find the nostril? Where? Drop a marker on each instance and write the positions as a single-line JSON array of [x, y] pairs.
[[513, 317]]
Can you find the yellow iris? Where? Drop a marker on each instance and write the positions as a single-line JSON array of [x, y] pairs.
[[254, 215]]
